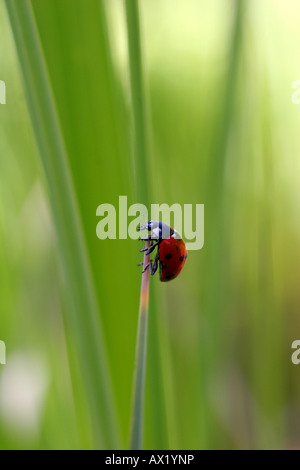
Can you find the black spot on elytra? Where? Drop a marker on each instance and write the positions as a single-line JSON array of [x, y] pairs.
[[181, 258], [168, 256], [170, 276]]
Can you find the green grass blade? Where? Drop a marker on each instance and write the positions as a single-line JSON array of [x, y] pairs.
[[140, 166], [138, 108], [136, 438], [83, 312], [215, 223], [156, 433]]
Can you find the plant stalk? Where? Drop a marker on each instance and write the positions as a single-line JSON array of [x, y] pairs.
[[136, 435]]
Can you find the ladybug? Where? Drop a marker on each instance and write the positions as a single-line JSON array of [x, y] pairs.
[[171, 250]]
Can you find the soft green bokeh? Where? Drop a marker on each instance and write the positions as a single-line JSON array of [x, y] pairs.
[[221, 130]]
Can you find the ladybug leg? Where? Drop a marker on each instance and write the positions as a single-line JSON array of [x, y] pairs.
[[152, 268], [146, 239], [149, 265], [151, 249], [152, 265]]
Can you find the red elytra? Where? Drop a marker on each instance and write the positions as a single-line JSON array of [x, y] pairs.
[[172, 258]]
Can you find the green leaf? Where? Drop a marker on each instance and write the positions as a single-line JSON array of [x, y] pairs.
[[83, 314]]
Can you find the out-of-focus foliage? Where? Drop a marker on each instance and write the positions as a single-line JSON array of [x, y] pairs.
[[222, 130]]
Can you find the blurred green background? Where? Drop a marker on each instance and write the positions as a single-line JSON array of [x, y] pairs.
[[219, 128]]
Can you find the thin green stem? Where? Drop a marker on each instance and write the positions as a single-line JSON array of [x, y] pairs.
[[137, 97], [136, 436], [142, 193], [156, 402]]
